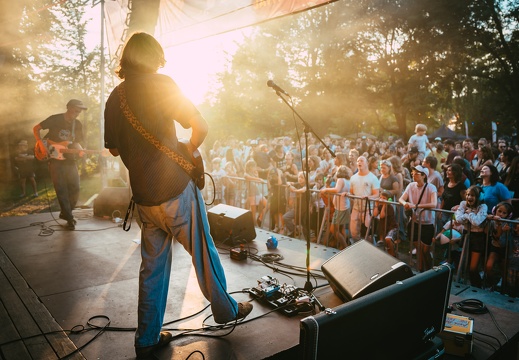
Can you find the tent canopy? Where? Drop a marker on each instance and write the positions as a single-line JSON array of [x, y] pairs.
[[445, 133]]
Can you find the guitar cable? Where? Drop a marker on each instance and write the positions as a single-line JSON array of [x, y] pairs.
[[214, 189]]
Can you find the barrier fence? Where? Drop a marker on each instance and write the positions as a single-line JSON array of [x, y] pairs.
[[284, 212]]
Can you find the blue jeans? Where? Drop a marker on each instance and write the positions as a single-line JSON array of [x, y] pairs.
[[182, 219]]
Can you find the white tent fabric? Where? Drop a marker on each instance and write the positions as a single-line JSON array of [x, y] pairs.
[[181, 21]]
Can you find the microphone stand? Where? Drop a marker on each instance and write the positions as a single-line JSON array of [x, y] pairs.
[[307, 128]]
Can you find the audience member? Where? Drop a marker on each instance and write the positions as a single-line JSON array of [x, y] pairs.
[[472, 213], [277, 199], [296, 211], [24, 166], [512, 277], [387, 227], [341, 216], [256, 199], [453, 192], [468, 150], [498, 234], [365, 185], [493, 191], [419, 141], [441, 155], [420, 197]]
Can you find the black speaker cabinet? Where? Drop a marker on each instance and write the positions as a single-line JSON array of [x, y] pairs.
[[400, 321], [361, 269], [231, 224]]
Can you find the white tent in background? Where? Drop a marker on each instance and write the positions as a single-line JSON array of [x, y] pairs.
[[179, 22]]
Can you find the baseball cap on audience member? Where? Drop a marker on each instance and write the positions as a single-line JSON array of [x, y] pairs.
[[254, 142], [438, 139], [421, 169]]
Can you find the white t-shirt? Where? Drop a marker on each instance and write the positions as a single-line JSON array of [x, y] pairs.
[[363, 186], [413, 195], [419, 141]]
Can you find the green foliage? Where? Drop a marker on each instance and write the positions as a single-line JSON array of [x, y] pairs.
[[379, 65]]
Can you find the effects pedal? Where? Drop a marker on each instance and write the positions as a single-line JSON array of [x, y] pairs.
[[287, 298], [239, 253]]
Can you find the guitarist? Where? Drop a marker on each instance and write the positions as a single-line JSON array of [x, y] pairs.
[[169, 203], [63, 128]]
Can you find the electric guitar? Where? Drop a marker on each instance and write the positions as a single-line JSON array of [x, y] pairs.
[[59, 150], [195, 158]]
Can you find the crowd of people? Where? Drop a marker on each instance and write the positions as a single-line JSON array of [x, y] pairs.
[[435, 185]]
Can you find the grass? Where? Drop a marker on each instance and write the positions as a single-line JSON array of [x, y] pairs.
[[12, 205]]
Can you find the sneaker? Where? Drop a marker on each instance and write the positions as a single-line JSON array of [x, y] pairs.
[[146, 352], [71, 225], [62, 217], [244, 309]]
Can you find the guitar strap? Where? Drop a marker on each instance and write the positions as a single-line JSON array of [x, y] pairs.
[[137, 125]]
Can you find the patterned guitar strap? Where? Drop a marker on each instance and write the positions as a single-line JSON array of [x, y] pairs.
[[136, 124]]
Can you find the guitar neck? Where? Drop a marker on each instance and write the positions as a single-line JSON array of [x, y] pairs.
[[76, 151]]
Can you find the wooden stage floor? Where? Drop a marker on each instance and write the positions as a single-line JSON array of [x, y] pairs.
[[53, 281]]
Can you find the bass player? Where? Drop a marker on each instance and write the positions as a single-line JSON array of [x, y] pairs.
[[64, 129]]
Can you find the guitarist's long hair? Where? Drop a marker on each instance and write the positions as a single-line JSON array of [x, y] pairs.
[[141, 54]]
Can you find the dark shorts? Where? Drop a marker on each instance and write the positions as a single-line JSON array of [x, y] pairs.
[[426, 232], [477, 242]]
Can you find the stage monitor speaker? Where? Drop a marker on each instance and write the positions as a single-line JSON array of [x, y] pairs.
[[231, 224], [361, 269], [400, 321], [112, 202]]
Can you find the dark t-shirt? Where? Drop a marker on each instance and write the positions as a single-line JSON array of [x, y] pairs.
[[61, 130], [64, 132], [387, 183], [451, 196], [157, 102], [280, 161]]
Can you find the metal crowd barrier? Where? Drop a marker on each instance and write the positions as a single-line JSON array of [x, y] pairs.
[[320, 224]]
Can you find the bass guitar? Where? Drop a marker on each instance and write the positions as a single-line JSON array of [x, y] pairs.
[[59, 150]]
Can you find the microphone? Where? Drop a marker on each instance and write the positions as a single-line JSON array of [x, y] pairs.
[[273, 85]]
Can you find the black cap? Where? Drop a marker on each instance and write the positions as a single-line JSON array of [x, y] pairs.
[[76, 103]]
